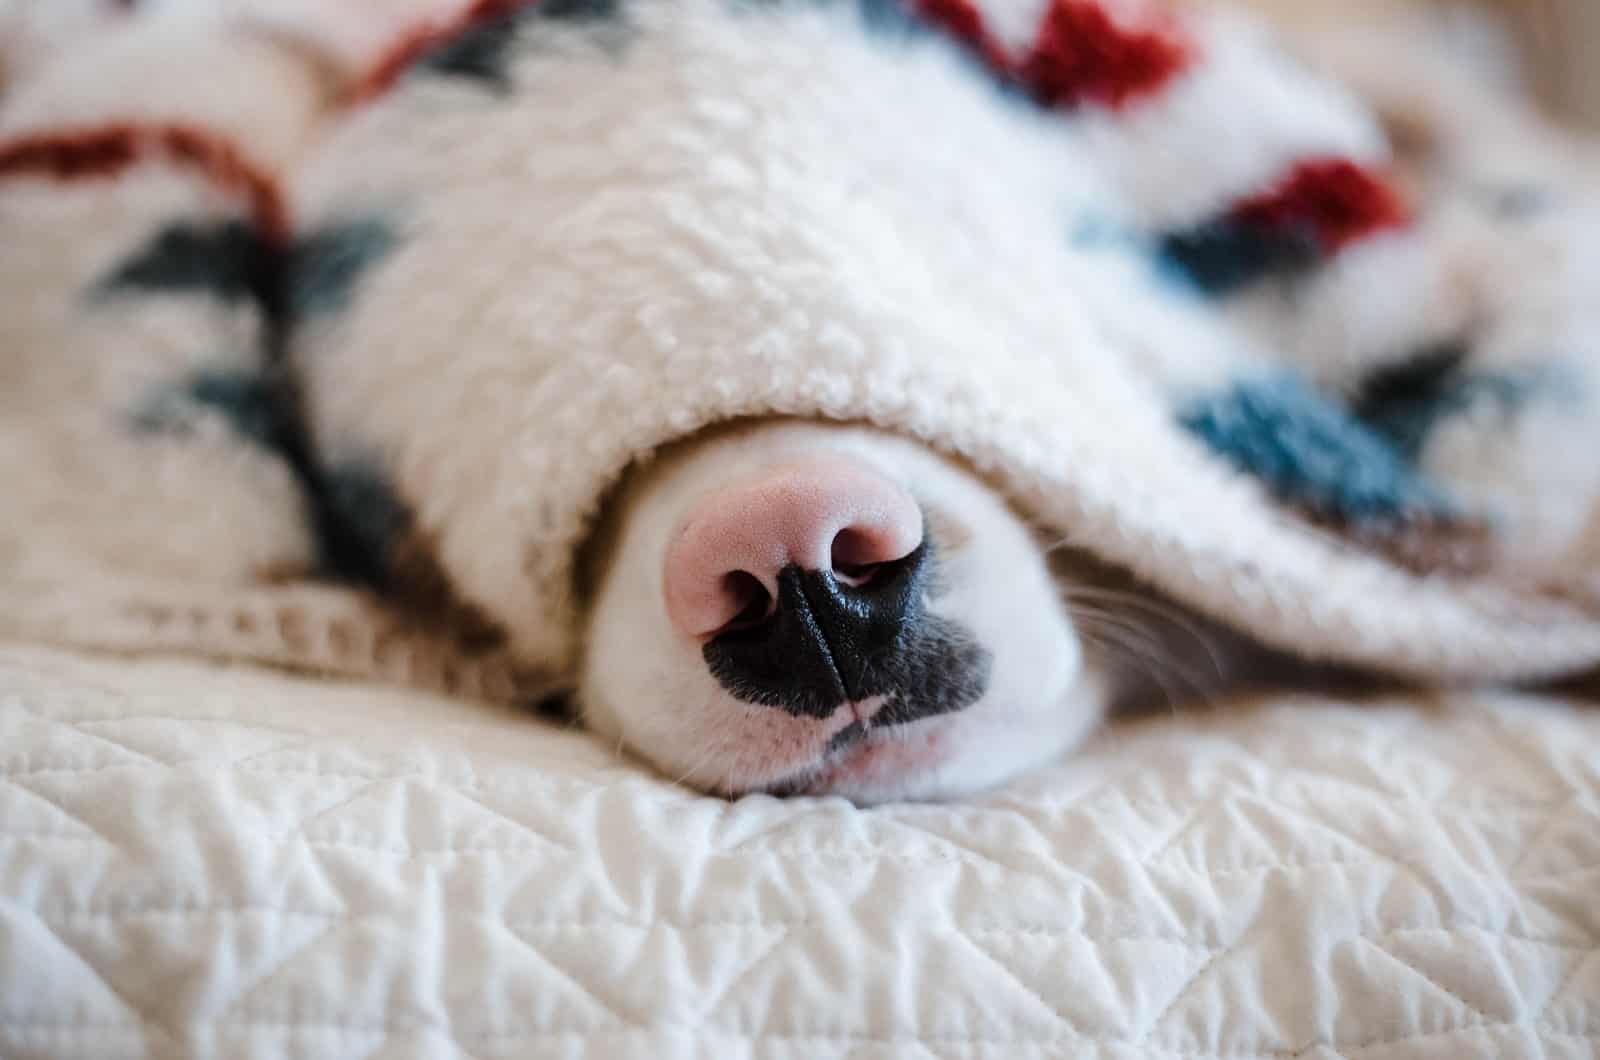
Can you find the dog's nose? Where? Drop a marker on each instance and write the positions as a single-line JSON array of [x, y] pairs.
[[826, 514], [800, 582]]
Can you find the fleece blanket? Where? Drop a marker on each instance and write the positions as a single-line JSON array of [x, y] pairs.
[[227, 862], [329, 355]]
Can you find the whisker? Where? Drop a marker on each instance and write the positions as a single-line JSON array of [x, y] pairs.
[[724, 740], [1136, 649], [1141, 647], [1172, 615]]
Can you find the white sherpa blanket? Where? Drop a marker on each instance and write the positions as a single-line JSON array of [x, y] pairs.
[[332, 362]]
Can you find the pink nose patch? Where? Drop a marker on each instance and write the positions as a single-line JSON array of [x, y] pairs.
[[818, 513]]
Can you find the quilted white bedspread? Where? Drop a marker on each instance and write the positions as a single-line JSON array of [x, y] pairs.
[[198, 861]]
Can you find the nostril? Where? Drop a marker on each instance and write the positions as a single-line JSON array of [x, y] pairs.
[[823, 514], [856, 576], [754, 602], [858, 555]]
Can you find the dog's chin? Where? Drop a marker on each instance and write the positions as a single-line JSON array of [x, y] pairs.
[[935, 759], [882, 766], [735, 750]]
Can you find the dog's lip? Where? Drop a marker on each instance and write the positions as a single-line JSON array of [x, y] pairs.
[[845, 732], [860, 757]]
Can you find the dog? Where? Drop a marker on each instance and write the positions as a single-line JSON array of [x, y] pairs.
[[786, 606], [835, 610], [829, 609]]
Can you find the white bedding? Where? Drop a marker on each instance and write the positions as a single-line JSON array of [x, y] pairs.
[[223, 862]]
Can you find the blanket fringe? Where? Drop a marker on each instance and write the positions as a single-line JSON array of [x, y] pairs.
[[327, 631]]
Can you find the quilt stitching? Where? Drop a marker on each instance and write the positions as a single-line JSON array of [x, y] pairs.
[[1377, 853], [764, 924], [133, 912], [352, 797], [565, 976], [241, 998], [45, 771], [1070, 1026], [1578, 967], [1476, 1010], [863, 1038], [148, 1019], [734, 981], [970, 855], [54, 837], [1586, 944], [94, 832], [885, 857], [78, 728], [1552, 877], [1188, 987], [405, 853], [1477, 1030], [521, 826], [1180, 832], [1537, 837], [855, 1039]]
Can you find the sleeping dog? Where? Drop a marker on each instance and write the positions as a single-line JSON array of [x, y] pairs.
[[830, 609], [582, 378], [834, 609]]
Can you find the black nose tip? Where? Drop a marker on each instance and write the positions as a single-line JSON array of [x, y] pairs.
[[829, 634]]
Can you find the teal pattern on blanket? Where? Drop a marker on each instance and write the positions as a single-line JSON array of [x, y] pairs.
[[248, 402], [481, 54], [1311, 452], [322, 269], [1407, 403], [227, 260]]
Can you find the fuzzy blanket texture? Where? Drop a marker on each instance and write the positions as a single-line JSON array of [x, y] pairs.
[[328, 356]]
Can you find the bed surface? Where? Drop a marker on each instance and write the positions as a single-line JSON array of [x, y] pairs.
[[200, 861]]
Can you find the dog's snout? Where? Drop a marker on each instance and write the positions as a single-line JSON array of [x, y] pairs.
[[799, 581], [807, 607], [827, 641], [827, 516]]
